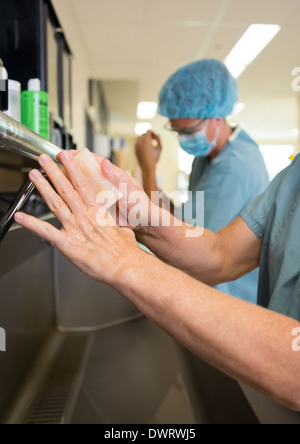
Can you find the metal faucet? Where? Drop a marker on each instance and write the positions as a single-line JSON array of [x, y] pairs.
[[17, 139]]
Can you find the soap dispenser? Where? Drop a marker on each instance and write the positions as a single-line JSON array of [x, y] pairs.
[[35, 108]]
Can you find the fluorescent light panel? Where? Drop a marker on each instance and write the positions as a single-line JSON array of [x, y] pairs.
[[252, 43], [238, 108], [142, 128], [146, 110]]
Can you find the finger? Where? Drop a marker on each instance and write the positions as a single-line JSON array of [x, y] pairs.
[[149, 136], [158, 140], [79, 180], [118, 177], [72, 152], [62, 185], [55, 203], [42, 229], [154, 135], [99, 158]]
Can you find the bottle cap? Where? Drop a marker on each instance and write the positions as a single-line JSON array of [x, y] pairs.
[[13, 85], [3, 72], [34, 85]]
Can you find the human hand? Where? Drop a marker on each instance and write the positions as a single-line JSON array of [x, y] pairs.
[[134, 210], [89, 238], [148, 149]]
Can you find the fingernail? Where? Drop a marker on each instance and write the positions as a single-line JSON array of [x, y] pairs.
[[35, 174], [108, 166], [45, 159], [19, 217], [65, 155]]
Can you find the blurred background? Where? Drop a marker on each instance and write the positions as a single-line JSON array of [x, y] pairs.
[[133, 46], [72, 356]]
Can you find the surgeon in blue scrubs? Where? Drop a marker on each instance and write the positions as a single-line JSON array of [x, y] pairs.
[[228, 165]]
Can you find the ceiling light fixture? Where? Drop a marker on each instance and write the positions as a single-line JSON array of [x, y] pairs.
[[146, 110], [252, 43], [142, 128], [238, 108]]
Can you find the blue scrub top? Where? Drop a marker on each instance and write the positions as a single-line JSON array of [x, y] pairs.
[[230, 182], [275, 219]]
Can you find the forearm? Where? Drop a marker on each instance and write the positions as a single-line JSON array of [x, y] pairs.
[[169, 240], [212, 258], [157, 196], [246, 342], [149, 181]]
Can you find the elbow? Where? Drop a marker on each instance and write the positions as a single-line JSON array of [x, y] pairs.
[[293, 404], [292, 400]]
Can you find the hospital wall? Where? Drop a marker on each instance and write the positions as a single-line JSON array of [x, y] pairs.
[[81, 69], [167, 169], [82, 72]]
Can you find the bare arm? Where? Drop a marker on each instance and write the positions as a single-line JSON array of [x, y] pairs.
[[246, 342], [211, 258], [148, 150], [157, 196]]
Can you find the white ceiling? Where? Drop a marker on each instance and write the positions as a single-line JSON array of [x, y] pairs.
[[145, 41]]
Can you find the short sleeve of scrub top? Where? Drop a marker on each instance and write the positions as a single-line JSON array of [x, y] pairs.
[[275, 219]]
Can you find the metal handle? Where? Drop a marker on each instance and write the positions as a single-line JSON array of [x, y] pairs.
[[16, 138], [19, 201]]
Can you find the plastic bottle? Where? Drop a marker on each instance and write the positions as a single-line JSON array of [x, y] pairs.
[[3, 87], [35, 108], [14, 100]]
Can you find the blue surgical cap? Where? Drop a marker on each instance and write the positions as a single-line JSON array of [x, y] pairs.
[[201, 89]]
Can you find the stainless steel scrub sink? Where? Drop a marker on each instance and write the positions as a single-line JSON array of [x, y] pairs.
[[79, 353]]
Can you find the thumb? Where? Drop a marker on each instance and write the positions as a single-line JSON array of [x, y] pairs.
[[118, 177], [114, 174]]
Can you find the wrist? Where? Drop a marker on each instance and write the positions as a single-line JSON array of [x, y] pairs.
[[148, 169], [151, 222], [126, 273], [134, 275]]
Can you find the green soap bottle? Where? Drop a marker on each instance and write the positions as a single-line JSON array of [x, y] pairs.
[[35, 109]]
